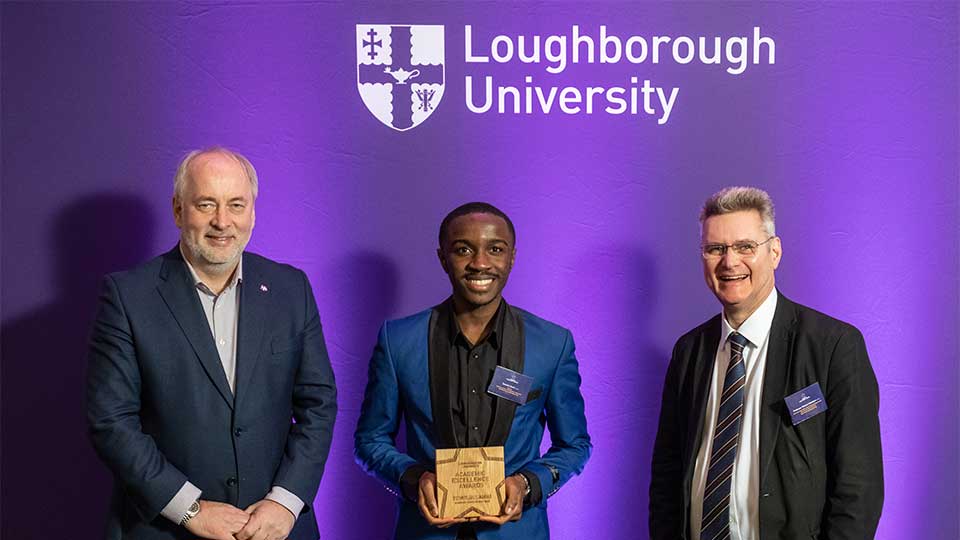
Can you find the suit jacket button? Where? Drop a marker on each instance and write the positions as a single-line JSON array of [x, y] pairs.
[[231, 481], [238, 432]]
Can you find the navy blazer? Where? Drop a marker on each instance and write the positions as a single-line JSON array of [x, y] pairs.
[[404, 381], [821, 479], [160, 410]]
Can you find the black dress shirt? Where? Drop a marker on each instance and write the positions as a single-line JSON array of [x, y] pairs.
[[472, 407], [471, 369]]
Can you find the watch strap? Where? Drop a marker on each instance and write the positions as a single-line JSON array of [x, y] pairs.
[[190, 513]]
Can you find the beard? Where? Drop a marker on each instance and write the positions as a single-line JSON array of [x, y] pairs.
[[211, 257]]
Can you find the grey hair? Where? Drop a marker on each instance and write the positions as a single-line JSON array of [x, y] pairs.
[[741, 198], [180, 179]]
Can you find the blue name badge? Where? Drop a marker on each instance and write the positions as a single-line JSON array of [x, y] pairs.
[[511, 385], [806, 403]]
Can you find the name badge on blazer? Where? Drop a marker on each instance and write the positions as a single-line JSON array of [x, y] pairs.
[[806, 403], [511, 385]]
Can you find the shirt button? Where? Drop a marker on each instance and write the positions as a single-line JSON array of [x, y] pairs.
[[473, 390], [475, 428], [476, 356], [223, 342], [231, 481]]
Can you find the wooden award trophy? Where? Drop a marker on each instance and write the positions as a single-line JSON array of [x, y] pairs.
[[470, 482]]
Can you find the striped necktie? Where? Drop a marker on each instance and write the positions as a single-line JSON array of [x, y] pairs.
[[715, 524]]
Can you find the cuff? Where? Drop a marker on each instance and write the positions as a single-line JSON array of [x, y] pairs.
[[410, 482], [536, 491], [180, 503], [288, 500]]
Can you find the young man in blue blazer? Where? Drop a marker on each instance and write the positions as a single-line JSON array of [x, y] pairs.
[[433, 369]]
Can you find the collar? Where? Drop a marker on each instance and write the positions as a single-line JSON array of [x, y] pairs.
[[757, 326], [236, 278], [496, 330]]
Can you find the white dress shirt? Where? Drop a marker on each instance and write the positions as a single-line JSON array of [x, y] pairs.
[[745, 483]]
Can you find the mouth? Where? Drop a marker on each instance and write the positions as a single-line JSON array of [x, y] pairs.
[[479, 283], [219, 240], [735, 277]]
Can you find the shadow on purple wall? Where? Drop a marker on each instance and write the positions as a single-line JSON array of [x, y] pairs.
[[623, 370], [367, 288], [56, 486]]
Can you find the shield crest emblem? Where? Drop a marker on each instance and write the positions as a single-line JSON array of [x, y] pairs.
[[400, 72]]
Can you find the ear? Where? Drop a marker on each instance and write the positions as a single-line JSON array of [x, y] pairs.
[[177, 212], [513, 257], [777, 250], [443, 262]]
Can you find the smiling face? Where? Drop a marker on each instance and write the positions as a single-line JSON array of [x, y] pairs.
[[477, 254], [740, 283], [215, 213]]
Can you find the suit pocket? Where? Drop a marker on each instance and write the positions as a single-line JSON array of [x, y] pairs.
[[533, 405]]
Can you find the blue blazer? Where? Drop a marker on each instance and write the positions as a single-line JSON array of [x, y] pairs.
[[405, 380], [161, 412]]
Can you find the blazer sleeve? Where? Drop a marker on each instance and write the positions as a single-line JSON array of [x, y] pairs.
[[854, 460], [314, 411], [570, 444], [374, 440], [113, 411], [666, 476]]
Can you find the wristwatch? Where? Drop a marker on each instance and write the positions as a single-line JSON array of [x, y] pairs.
[[526, 484], [191, 512]]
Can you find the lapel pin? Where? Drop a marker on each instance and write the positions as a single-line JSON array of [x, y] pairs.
[[263, 287]]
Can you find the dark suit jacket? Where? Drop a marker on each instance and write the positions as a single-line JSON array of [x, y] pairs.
[[407, 380], [160, 410], [822, 478]]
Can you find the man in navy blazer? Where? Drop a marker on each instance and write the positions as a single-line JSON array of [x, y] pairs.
[[198, 361], [769, 424], [433, 369]]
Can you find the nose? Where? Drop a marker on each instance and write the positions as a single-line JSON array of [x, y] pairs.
[[479, 261], [221, 218], [730, 258]]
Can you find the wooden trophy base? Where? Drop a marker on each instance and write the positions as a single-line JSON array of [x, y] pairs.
[[470, 482]]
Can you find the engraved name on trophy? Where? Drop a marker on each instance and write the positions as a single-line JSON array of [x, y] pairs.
[[470, 482]]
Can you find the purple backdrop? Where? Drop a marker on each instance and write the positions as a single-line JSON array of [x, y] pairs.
[[853, 131]]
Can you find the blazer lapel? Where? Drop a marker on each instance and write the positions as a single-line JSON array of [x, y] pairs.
[[437, 349], [702, 375], [779, 361], [254, 306], [512, 347], [179, 292]]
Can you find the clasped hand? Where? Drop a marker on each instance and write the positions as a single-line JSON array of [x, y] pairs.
[[263, 520], [427, 502]]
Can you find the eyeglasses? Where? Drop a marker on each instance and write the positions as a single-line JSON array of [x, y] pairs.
[[746, 248]]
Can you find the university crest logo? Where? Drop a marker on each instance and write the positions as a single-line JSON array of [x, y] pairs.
[[400, 72]]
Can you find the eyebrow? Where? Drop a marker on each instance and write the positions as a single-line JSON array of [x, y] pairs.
[[214, 199], [491, 241], [734, 243]]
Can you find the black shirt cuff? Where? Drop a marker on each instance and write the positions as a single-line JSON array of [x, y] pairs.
[[536, 492], [410, 482]]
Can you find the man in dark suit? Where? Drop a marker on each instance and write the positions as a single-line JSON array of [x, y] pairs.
[[198, 361], [433, 369], [768, 426]]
